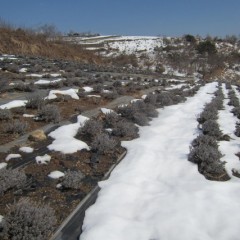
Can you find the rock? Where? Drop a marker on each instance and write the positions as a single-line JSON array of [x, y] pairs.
[[37, 136]]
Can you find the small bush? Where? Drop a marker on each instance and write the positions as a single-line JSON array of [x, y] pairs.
[[72, 179], [3, 84], [49, 113], [102, 143], [211, 128], [206, 47], [111, 119], [236, 112], [204, 153], [117, 84], [28, 220], [110, 95], [11, 178], [134, 114], [24, 87], [151, 99], [233, 100], [228, 85], [5, 114], [146, 108], [19, 110], [207, 115], [90, 128], [237, 130], [164, 99], [35, 101], [15, 127], [125, 128], [208, 160], [98, 88], [205, 140]]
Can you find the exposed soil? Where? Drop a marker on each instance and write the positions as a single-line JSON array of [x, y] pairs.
[[43, 189]]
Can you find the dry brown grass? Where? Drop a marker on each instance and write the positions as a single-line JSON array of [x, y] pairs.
[[23, 42]]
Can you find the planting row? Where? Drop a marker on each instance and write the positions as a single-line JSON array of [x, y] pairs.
[[204, 149]]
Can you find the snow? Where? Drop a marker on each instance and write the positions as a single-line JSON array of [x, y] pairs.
[[34, 75], [14, 104], [1, 218], [178, 86], [106, 110], [88, 89], [133, 44], [155, 193], [65, 140], [55, 74], [23, 70], [135, 100], [227, 122], [26, 149], [12, 155], [97, 96], [71, 92], [43, 159], [56, 174], [2, 165], [28, 115], [46, 81]]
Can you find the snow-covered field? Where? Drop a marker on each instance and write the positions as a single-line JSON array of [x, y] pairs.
[[156, 194]]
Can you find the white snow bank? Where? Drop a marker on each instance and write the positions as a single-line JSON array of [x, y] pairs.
[[227, 122], [135, 100], [106, 110], [64, 138], [46, 81], [98, 96], [28, 115], [1, 218], [26, 149], [56, 174], [71, 92], [2, 165], [43, 159], [178, 86], [12, 155], [55, 74], [88, 89], [34, 75], [14, 104], [23, 70], [156, 193]]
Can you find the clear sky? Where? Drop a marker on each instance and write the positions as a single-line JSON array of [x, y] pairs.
[[127, 17]]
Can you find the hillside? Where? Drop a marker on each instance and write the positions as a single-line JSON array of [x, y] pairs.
[[213, 58], [23, 42]]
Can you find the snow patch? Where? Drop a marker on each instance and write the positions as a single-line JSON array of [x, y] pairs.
[[56, 174], [88, 89], [26, 149], [14, 104], [12, 155], [2, 165], [43, 159], [64, 138], [106, 110], [71, 92]]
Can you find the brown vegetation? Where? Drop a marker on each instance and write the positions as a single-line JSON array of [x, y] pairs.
[[24, 42]]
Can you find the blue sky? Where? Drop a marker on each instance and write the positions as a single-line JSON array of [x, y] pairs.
[[128, 17]]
